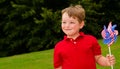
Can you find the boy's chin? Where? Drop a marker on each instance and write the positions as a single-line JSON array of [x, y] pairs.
[[69, 34]]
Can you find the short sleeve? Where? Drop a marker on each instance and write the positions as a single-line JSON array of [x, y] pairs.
[[96, 47], [57, 57]]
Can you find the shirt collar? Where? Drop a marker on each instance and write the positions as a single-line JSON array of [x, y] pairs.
[[81, 35]]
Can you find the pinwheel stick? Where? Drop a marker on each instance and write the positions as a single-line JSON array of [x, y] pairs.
[[110, 55]]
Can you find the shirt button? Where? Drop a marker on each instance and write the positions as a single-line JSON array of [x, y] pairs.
[[74, 42]]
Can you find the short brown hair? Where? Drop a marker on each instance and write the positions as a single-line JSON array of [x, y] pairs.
[[75, 11]]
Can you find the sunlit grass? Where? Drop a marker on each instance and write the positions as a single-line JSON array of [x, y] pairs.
[[34, 60]]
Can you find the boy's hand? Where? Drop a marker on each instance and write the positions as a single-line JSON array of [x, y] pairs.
[[111, 59]]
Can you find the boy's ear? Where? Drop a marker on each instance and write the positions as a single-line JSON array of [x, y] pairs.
[[82, 24]]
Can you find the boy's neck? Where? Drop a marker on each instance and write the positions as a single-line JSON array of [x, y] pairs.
[[74, 36]]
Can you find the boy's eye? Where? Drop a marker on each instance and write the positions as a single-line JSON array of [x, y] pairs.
[[72, 23], [63, 22]]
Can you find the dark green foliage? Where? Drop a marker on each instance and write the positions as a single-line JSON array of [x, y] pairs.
[[46, 32], [26, 26]]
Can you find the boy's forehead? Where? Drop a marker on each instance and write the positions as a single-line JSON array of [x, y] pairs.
[[64, 15]]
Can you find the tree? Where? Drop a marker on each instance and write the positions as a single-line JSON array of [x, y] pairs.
[[27, 26]]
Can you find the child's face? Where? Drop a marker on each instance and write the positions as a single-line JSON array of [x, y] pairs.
[[70, 25]]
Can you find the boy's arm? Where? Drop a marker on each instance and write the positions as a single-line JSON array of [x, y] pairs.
[[105, 61]]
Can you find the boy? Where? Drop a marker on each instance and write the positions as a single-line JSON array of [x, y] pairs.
[[78, 50]]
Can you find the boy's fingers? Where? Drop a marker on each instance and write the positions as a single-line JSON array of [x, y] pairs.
[[111, 59]]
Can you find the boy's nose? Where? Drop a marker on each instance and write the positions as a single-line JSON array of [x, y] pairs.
[[67, 25]]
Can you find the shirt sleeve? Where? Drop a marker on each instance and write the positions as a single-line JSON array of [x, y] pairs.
[[96, 47], [57, 57]]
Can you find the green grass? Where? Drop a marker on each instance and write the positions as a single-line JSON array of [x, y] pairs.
[[34, 60], [44, 59]]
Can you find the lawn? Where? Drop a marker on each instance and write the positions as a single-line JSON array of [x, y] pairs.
[[44, 59], [34, 60]]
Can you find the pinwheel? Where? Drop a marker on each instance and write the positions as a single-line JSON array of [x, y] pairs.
[[109, 36]]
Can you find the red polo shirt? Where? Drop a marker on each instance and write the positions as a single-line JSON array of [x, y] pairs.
[[77, 54]]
